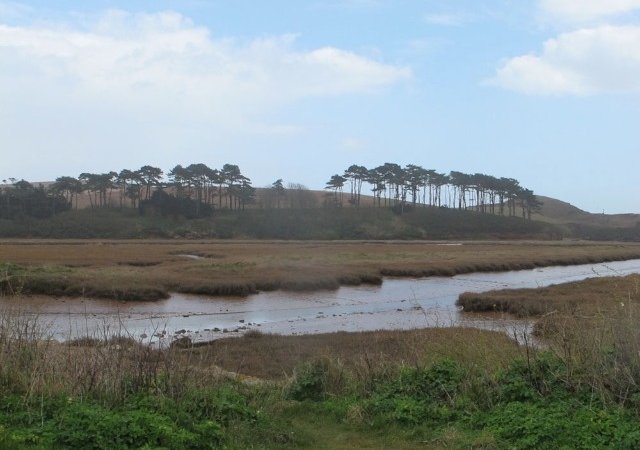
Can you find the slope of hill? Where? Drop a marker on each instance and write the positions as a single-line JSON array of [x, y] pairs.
[[552, 211], [559, 212], [277, 217]]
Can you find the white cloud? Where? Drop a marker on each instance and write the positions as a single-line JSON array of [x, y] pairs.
[[418, 48], [165, 60], [586, 10], [445, 19], [604, 59]]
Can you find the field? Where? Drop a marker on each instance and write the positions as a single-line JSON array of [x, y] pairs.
[[148, 270]]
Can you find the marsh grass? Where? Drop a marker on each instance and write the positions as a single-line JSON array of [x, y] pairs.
[[590, 325], [107, 367], [111, 365], [600, 347], [276, 357], [150, 270], [591, 296]]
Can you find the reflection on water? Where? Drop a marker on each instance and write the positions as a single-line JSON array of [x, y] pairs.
[[397, 304]]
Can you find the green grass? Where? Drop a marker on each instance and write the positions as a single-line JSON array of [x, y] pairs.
[[203, 418], [119, 394], [528, 405]]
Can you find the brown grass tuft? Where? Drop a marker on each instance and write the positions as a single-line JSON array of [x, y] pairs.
[[581, 297], [276, 357]]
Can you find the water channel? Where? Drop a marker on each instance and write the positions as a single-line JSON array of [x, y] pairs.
[[399, 303]]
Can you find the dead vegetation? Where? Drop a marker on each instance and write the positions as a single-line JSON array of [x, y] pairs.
[[112, 367], [109, 367], [595, 295], [591, 325], [149, 270], [274, 357]]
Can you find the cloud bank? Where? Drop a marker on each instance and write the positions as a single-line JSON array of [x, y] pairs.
[[604, 59], [119, 88], [600, 57], [164, 62]]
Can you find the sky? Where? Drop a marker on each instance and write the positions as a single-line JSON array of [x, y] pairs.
[[544, 91]]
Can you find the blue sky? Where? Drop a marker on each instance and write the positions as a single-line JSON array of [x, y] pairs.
[[545, 91]]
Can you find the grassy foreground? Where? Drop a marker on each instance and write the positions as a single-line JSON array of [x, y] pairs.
[[149, 270], [434, 389]]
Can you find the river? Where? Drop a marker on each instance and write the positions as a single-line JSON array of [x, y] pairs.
[[399, 303]]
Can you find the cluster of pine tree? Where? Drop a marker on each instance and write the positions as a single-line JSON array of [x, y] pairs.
[[397, 186], [197, 190]]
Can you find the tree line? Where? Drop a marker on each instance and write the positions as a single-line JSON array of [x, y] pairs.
[[413, 185], [197, 190], [195, 181], [21, 198]]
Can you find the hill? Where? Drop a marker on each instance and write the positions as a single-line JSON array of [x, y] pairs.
[[559, 212], [287, 216]]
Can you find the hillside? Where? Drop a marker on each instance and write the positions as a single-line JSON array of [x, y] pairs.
[[559, 212], [304, 223], [286, 217], [553, 210]]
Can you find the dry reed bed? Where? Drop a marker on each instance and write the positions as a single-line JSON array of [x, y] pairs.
[[111, 368], [591, 325], [149, 270], [101, 367], [595, 295], [274, 357]]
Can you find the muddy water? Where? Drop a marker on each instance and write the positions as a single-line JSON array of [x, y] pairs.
[[397, 304]]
